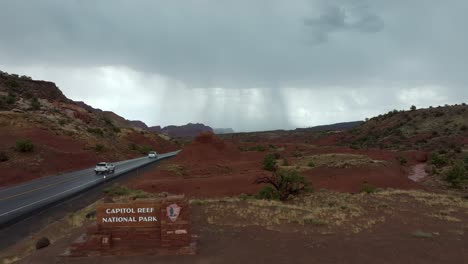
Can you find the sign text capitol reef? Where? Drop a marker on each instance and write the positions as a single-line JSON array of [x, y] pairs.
[[138, 214]]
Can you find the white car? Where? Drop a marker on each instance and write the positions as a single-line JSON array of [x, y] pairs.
[[104, 167], [152, 154]]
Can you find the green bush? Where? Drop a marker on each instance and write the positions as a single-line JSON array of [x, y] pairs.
[[10, 99], [269, 162], [297, 154], [24, 145], [3, 156], [413, 108], [13, 84], [144, 149], [260, 148], [311, 164], [120, 190], [62, 122], [367, 188], [28, 95], [402, 160], [108, 121], [35, 104], [99, 147], [96, 131], [438, 160], [457, 175], [133, 146], [285, 183], [268, 192]]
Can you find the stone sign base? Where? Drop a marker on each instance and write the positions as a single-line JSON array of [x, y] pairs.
[[170, 234]]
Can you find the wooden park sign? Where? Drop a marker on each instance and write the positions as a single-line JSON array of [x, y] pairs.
[[156, 226]]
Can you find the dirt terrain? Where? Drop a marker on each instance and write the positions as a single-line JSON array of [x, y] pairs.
[[211, 167], [390, 226]]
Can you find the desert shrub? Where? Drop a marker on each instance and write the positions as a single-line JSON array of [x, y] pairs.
[[402, 160], [28, 95], [3, 156], [260, 148], [35, 104], [367, 188], [355, 145], [120, 190], [10, 99], [285, 183], [96, 131], [285, 162], [12, 83], [116, 129], [442, 151], [311, 164], [413, 108], [99, 147], [108, 121], [463, 128], [438, 160], [144, 149], [133, 146], [277, 155], [268, 192], [62, 122], [24, 145], [297, 154], [457, 175], [269, 162]]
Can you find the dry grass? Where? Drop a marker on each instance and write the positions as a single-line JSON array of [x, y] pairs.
[[175, 168], [427, 198], [335, 160], [328, 211], [317, 210]]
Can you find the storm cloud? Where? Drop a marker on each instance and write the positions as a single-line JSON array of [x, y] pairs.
[[249, 65]]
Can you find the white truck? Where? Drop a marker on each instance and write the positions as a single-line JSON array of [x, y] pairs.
[[152, 154], [104, 167]]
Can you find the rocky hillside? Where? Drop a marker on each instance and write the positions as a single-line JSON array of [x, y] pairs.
[[188, 131], [425, 129], [44, 133], [333, 127]]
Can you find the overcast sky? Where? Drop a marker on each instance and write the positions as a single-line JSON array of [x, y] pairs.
[[249, 65]]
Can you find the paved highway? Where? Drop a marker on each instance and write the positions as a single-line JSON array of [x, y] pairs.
[[19, 200]]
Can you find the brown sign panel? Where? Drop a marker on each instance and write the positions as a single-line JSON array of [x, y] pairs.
[[137, 214]]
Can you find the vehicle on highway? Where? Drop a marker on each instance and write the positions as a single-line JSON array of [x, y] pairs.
[[152, 154], [104, 167]]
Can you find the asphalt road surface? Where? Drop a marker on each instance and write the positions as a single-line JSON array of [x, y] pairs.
[[25, 198]]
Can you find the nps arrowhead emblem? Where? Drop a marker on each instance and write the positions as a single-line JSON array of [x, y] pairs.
[[173, 212]]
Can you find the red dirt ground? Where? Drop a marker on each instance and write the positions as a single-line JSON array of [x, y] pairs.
[[55, 154], [210, 167]]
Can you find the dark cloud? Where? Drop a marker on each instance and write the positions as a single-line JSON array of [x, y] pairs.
[[265, 45]]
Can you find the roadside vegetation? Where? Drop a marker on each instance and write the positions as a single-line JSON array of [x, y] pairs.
[[24, 145]]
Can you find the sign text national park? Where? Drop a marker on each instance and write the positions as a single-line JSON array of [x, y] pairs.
[[139, 214]]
